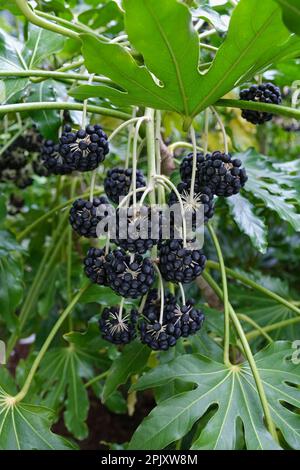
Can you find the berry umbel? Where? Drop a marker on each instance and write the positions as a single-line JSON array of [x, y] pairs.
[[86, 215], [94, 266], [118, 181], [118, 327], [264, 93], [179, 264], [129, 276]]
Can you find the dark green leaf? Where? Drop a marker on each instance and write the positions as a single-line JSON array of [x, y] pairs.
[[40, 45], [291, 14], [27, 427], [248, 222], [234, 392], [132, 360]]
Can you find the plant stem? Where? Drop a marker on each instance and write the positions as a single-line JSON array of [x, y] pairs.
[[275, 326], [150, 138], [49, 214], [249, 356], [194, 165], [14, 137], [23, 392], [260, 330], [160, 189], [96, 379], [42, 273], [130, 136], [64, 68], [33, 18], [257, 106], [248, 282], [44, 105], [134, 157], [161, 286], [77, 26], [122, 126], [175, 145], [182, 292], [208, 47], [223, 130], [225, 295]]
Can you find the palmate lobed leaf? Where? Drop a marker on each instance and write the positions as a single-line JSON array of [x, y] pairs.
[[249, 223], [27, 427], [268, 183], [173, 59], [235, 394]]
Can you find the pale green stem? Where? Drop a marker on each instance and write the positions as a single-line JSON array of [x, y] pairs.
[[194, 164], [257, 106], [14, 137], [134, 156], [49, 214], [161, 287], [130, 137], [275, 326], [45, 24], [96, 379], [122, 126], [77, 26], [225, 295], [248, 282], [175, 145], [249, 356], [208, 46], [23, 392], [44, 105], [223, 130], [260, 330], [206, 128], [150, 138], [182, 292]]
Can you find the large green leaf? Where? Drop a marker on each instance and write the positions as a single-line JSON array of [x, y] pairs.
[[62, 372], [269, 184], [132, 360], [170, 78], [11, 60], [249, 223], [291, 14], [27, 427], [40, 45], [47, 121], [235, 394]]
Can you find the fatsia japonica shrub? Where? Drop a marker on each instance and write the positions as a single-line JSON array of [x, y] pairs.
[[117, 111]]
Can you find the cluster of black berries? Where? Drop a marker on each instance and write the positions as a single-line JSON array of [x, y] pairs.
[[86, 215], [177, 321], [118, 182], [135, 229], [19, 161], [178, 263], [130, 276], [264, 93], [218, 171], [81, 150], [118, 327]]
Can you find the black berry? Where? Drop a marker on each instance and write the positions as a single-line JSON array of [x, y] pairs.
[[264, 93]]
